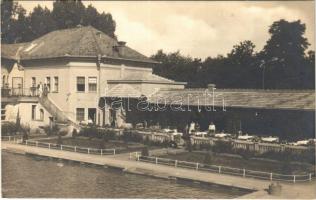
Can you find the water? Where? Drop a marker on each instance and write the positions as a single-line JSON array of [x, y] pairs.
[[26, 176]]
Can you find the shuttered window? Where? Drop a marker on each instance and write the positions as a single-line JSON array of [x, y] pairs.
[[80, 114], [92, 81]]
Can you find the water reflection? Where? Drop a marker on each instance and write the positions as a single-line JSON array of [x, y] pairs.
[[25, 176]]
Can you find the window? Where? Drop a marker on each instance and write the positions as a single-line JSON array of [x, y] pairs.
[[56, 84], [33, 81], [92, 114], [80, 84], [3, 81], [3, 111], [41, 114], [92, 81], [33, 112], [48, 83], [80, 114]]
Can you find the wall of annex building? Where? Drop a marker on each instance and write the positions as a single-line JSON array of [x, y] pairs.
[[28, 117]]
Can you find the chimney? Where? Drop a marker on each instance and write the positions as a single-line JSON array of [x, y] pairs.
[[211, 86], [121, 43], [119, 47], [99, 34]]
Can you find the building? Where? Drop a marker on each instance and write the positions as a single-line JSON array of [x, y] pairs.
[[77, 66], [85, 72]]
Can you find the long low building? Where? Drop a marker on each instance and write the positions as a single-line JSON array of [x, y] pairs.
[[289, 114]]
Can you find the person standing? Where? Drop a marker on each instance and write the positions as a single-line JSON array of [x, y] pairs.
[[40, 89], [212, 128]]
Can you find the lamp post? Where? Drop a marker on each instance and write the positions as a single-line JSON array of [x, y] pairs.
[[263, 66]]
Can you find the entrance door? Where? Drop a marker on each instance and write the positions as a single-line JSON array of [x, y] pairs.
[[92, 114], [17, 86]]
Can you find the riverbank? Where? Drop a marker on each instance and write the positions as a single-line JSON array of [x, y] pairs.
[[121, 161]]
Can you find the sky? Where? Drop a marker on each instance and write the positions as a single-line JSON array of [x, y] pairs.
[[198, 29]]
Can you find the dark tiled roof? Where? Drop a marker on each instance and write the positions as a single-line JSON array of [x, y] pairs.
[[242, 98], [10, 50], [75, 42]]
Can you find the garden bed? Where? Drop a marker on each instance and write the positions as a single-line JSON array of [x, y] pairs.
[[249, 164], [96, 143]]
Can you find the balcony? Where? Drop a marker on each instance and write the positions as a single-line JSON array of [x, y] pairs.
[[19, 92]]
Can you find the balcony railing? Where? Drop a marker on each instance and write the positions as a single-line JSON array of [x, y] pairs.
[[18, 92]]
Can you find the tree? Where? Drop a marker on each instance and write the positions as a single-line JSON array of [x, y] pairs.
[[243, 53], [68, 14], [176, 66], [286, 48], [19, 27], [8, 11], [41, 21]]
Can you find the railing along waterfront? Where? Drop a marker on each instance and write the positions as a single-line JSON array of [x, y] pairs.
[[11, 138], [61, 147], [227, 170]]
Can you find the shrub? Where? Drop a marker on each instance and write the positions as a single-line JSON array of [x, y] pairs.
[[208, 158], [8, 128], [205, 146], [288, 156], [145, 151], [222, 147], [74, 133], [59, 140], [246, 154], [63, 133]]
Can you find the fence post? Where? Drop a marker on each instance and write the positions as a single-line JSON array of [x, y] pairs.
[[156, 160], [244, 174], [271, 176], [113, 151], [293, 178], [176, 163], [101, 152], [137, 157], [75, 148], [88, 150], [25, 142], [197, 166], [61, 147], [48, 145], [219, 169], [310, 176]]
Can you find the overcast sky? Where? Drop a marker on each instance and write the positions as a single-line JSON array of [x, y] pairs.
[[198, 29]]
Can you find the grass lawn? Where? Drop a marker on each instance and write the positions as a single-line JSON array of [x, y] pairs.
[[97, 144], [235, 162]]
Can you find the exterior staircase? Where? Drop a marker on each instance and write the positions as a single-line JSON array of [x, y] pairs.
[[60, 118]]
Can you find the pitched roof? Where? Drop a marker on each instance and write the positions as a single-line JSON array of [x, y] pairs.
[[10, 50], [123, 90], [75, 42], [242, 98], [144, 78]]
